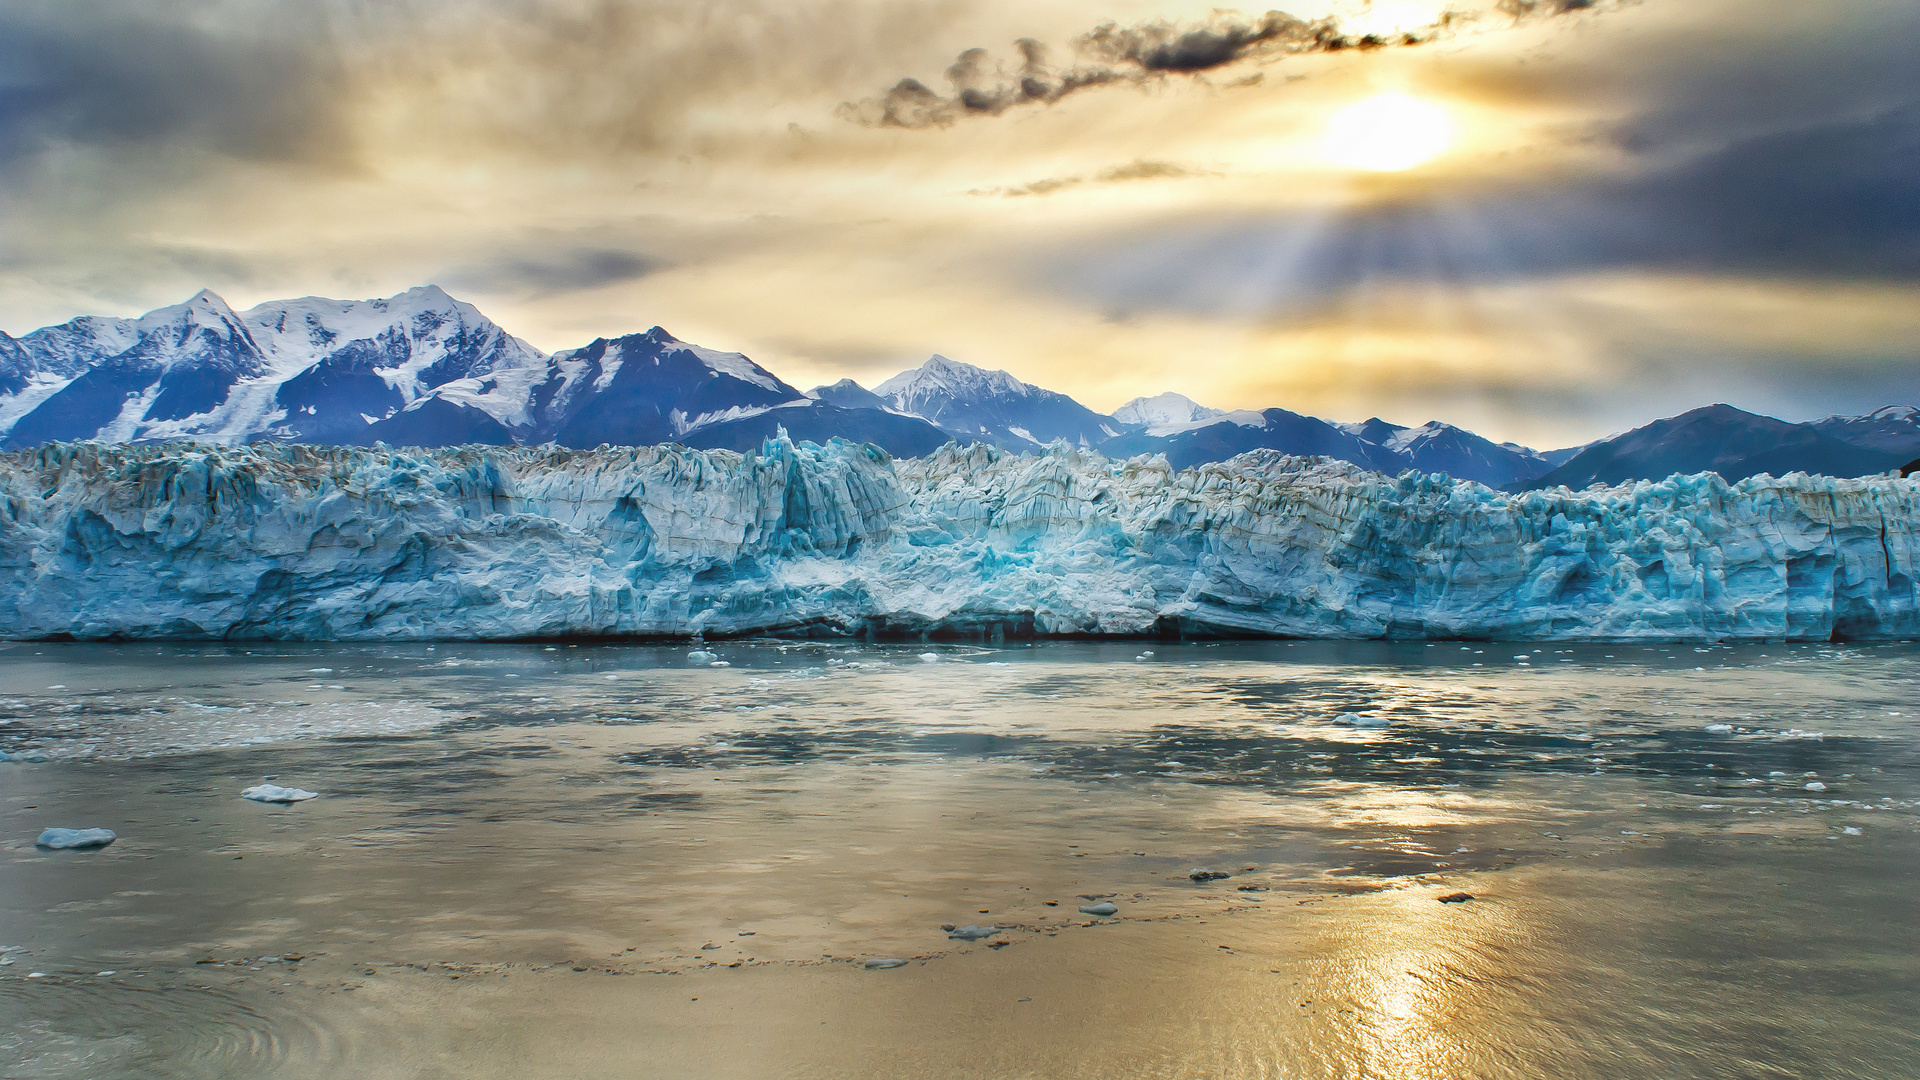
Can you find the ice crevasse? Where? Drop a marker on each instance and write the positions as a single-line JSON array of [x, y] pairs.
[[302, 542]]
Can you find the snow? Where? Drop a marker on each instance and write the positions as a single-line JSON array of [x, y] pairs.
[[322, 543], [273, 342], [274, 793], [1252, 418], [75, 838], [951, 378], [736, 365], [1164, 413]]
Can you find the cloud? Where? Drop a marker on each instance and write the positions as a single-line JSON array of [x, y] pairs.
[[1839, 199], [551, 273], [1118, 174], [1109, 54], [115, 75]]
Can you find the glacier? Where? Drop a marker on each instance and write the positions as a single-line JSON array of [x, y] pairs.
[[292, 541]]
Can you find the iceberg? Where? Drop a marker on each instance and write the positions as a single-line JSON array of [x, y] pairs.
[[298, 542], [274, 793], [60, 839]]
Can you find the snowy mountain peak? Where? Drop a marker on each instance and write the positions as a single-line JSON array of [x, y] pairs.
[[974, 404], [950, 378], [203, 310], [848, 394], [1163, 411]]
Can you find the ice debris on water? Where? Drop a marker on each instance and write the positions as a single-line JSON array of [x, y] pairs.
[[1357, 720], [971, 539], [1851, 830], [701, 656], [34, 756], [1200, 873], [276, 793], [1720, 729], [972, 933], [1104, 907], [884, 962], [1816, 785], [929, 658], [75, 838]]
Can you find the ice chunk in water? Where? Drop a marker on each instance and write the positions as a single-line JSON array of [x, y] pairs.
[[1816, 786], [1356, 720], [972, 933], [276, 793], [883, 962], [1104, 907], [75, 838], [929, 658], [1720, 729], [701, 656]]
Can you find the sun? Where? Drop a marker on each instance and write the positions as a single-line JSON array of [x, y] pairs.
[[1387, 133]]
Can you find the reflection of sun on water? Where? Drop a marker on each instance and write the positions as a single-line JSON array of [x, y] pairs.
[[1387, 133]]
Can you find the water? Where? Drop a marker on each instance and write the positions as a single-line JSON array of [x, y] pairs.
[[608, 861]]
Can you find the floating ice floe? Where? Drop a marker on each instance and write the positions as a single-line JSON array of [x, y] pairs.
[[75, 838], [276, 793], [701, 656], [1357, 720], [972, 933], [1816, 785], [884, 962], [24, 756], [1720, 729], [929, 658], [1104, 907]]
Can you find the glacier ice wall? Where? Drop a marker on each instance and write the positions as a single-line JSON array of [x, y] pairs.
[[322, 543]]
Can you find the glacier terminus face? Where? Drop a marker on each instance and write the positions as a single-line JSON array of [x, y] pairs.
[[288, 541]]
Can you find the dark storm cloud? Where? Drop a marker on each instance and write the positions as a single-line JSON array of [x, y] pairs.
[[122, 75], [1838, 200], [552, 272], [1110, 54]]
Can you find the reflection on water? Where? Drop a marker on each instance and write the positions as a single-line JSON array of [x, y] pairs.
[[1684, 861]]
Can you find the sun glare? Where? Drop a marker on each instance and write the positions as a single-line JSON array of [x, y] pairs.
[[1387, 133]]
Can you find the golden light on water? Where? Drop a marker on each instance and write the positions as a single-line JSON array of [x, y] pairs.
[[1387, 133]]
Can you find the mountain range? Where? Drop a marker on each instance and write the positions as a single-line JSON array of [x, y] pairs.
[[424, 369]]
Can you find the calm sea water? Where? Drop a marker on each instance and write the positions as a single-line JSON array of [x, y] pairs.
[[602, 861]]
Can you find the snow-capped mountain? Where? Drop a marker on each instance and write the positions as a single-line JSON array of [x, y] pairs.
[[1894, 429], [974, 404], [1163, 413], [350, 364], [1221, 437], [643, 389], [424, 369], [1738, 444], [1437, 447], [848, 395], [310, 370], [151, 378]]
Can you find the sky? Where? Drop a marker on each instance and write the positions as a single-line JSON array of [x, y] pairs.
[[1622, 209]]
